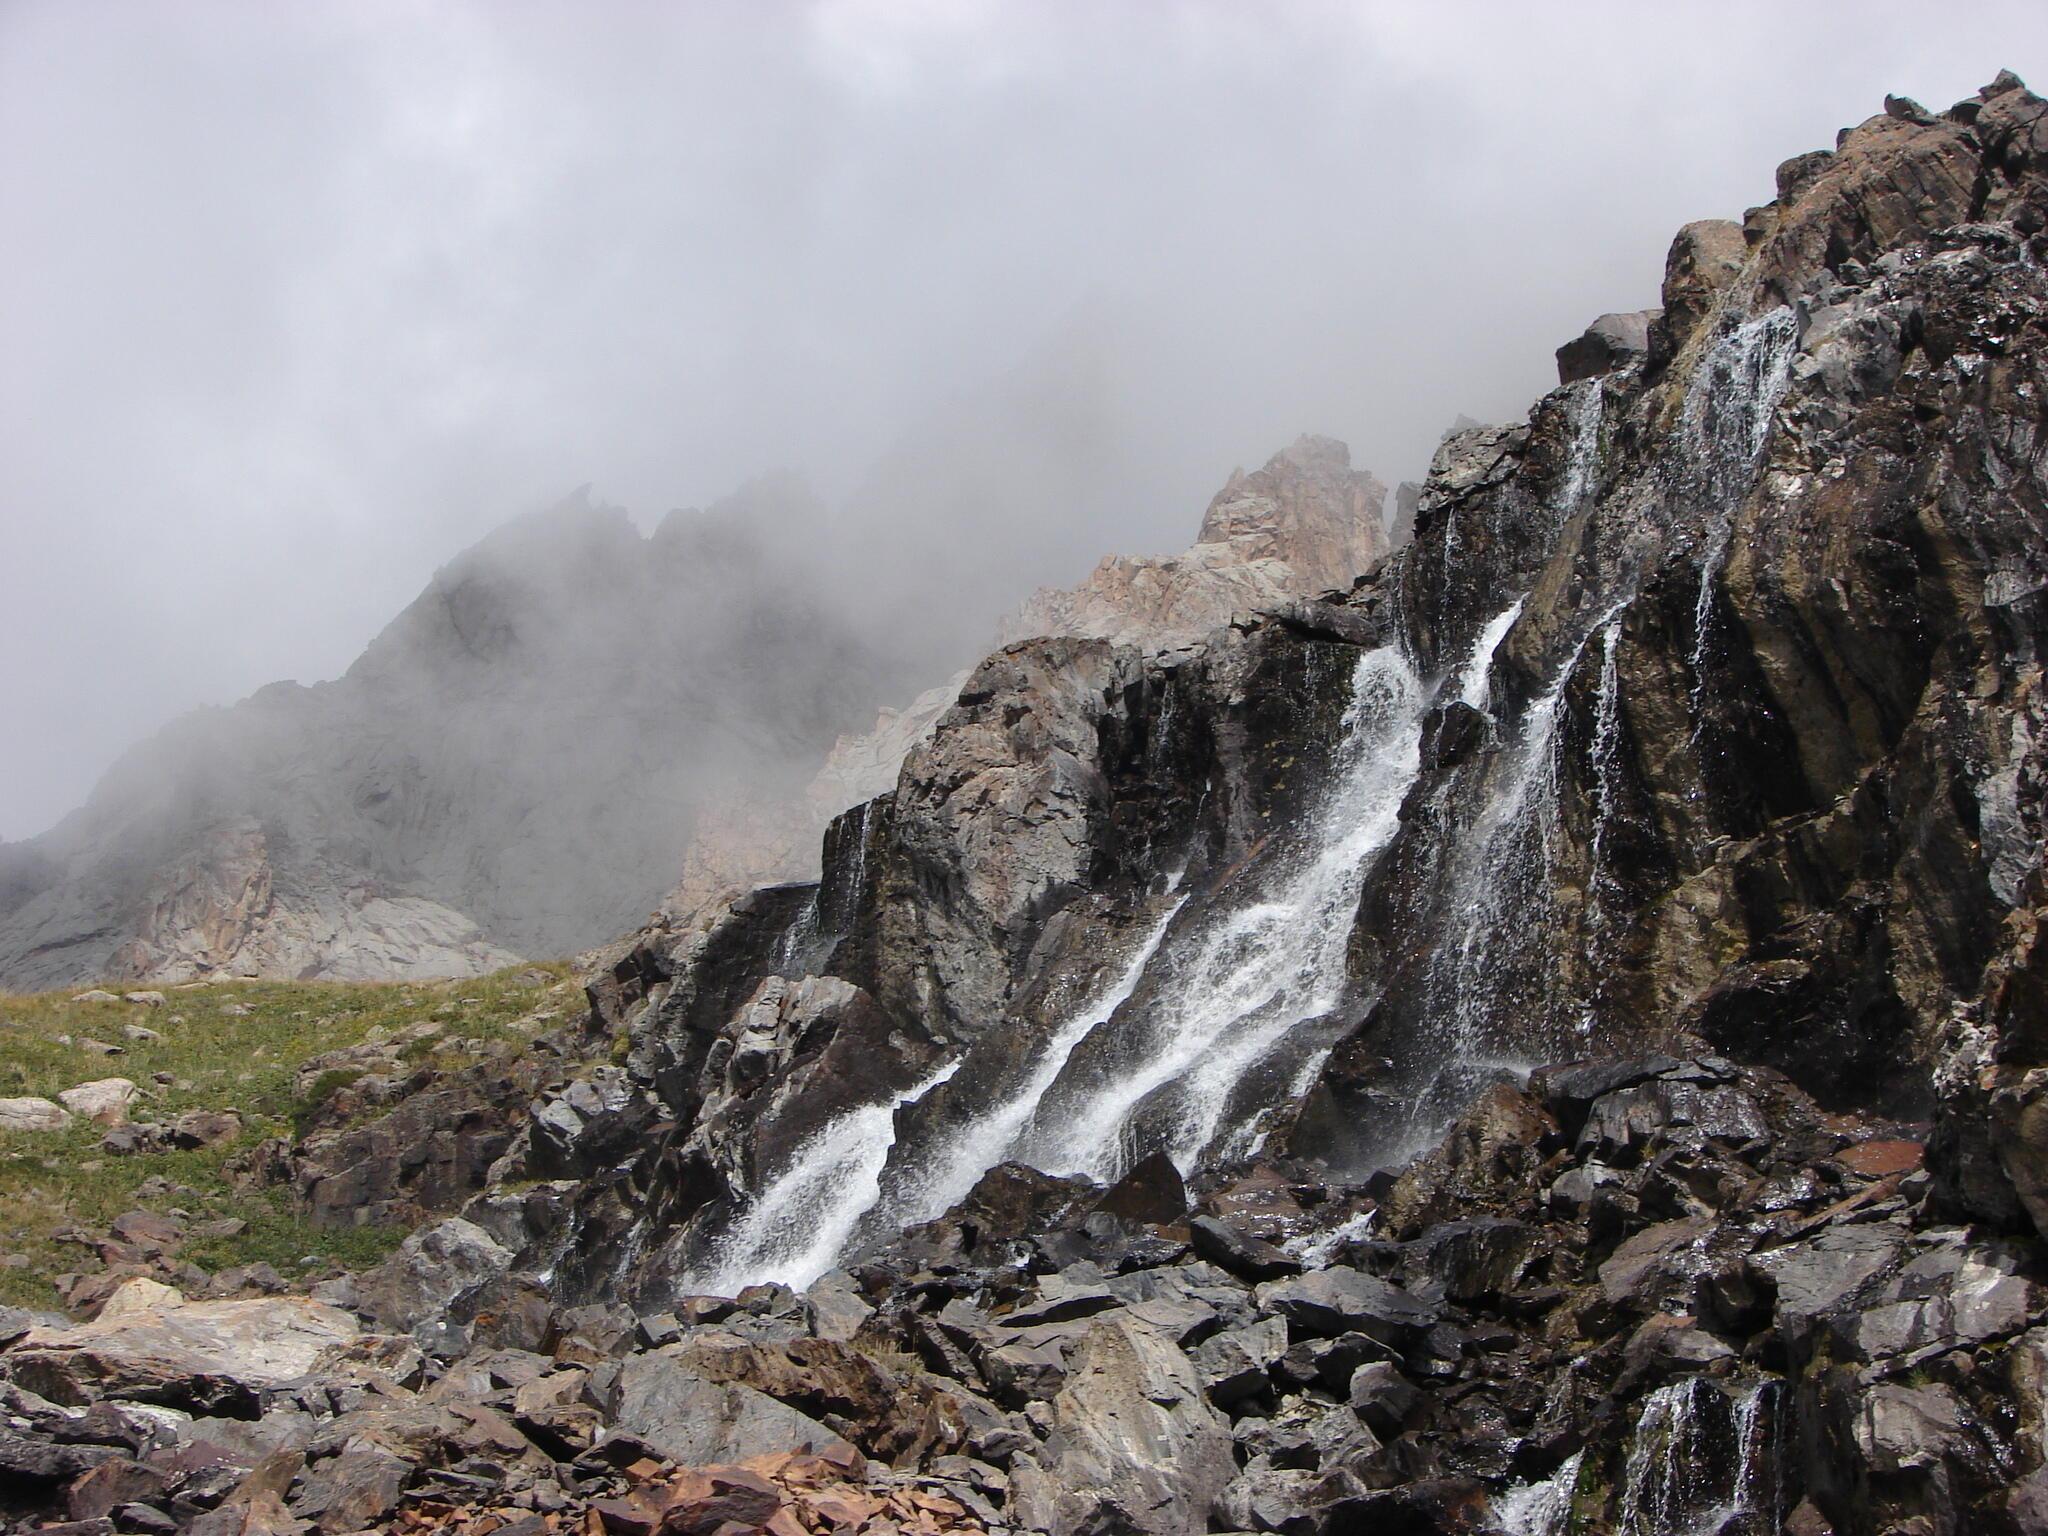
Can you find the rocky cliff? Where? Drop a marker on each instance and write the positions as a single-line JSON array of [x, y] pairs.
[[514, 767], [1546, 1040], [1305, 523]]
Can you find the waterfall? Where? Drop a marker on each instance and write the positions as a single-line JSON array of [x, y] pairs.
[[1605, 758], [1606, 742], [1730, 401], [948, 1172], [1219, 992], [1499, 898], [1538, 1509], [1477, 678], [797, 1227], [1499, 884], [1701, 1460], [1584, 456], [792, 950], [1234, 984], [857, 866]]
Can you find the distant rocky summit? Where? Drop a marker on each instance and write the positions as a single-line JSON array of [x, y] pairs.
[[1306, 523]]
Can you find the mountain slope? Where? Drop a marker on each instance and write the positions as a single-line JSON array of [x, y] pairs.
[[514, 766]]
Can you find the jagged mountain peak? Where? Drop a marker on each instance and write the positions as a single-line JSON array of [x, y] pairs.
[[514, 765], [1305, 522]]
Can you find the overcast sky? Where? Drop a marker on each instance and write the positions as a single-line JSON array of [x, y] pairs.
[[296, 301]]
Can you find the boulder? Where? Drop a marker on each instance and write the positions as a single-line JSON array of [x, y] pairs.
[[694, 1421], [1135, 1446], [1901, 1428], [1225, 1243], [1815, 1276], [1705, 258], [1635, 1273], [420, 1288], [1235, 1364], [1474, 1260], [595, 1122], [104, 1101], [1609, 343], [1382, 1397], [887, 1415], [204, 1128], [31, 1114], [112, 1483], [151, 1345], [837, 1305], [1151, 1193], [1339, 1300], [353, 1491]]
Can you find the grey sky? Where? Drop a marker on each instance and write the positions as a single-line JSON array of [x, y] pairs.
[[297, 301]]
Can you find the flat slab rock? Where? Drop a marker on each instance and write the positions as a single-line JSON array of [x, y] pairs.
[[1339, 1299], [693, 1421], [149, 1340], [32, 1114]]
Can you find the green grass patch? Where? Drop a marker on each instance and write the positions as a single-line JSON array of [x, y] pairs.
[[237, 1046]]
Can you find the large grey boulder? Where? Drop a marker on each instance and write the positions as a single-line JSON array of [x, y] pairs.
[[419, 1288], [104, 1100], [1339, 1299], [1234, 1364], [1135, 1447], [694, 1421], [1611, 342], [149, 1344], [32, 1114]]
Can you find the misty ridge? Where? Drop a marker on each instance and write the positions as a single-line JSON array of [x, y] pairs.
[[576, 719]]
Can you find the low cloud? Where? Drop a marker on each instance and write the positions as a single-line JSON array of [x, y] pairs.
[[296, 302]]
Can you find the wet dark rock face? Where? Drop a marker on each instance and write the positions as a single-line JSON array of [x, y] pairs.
[[1551, 1039]]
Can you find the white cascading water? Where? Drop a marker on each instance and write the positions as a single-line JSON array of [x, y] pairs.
[[1606, 743], [1605, 757], [1500, 876], [950, 1170], [1701, 1460], [1236, 982], [1730, 401], [1538, 1509], [857, 870], [797, 1227], [1477, 678], [796, 939], [1587, 412]]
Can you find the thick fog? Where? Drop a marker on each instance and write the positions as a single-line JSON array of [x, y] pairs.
[[298, 301]]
